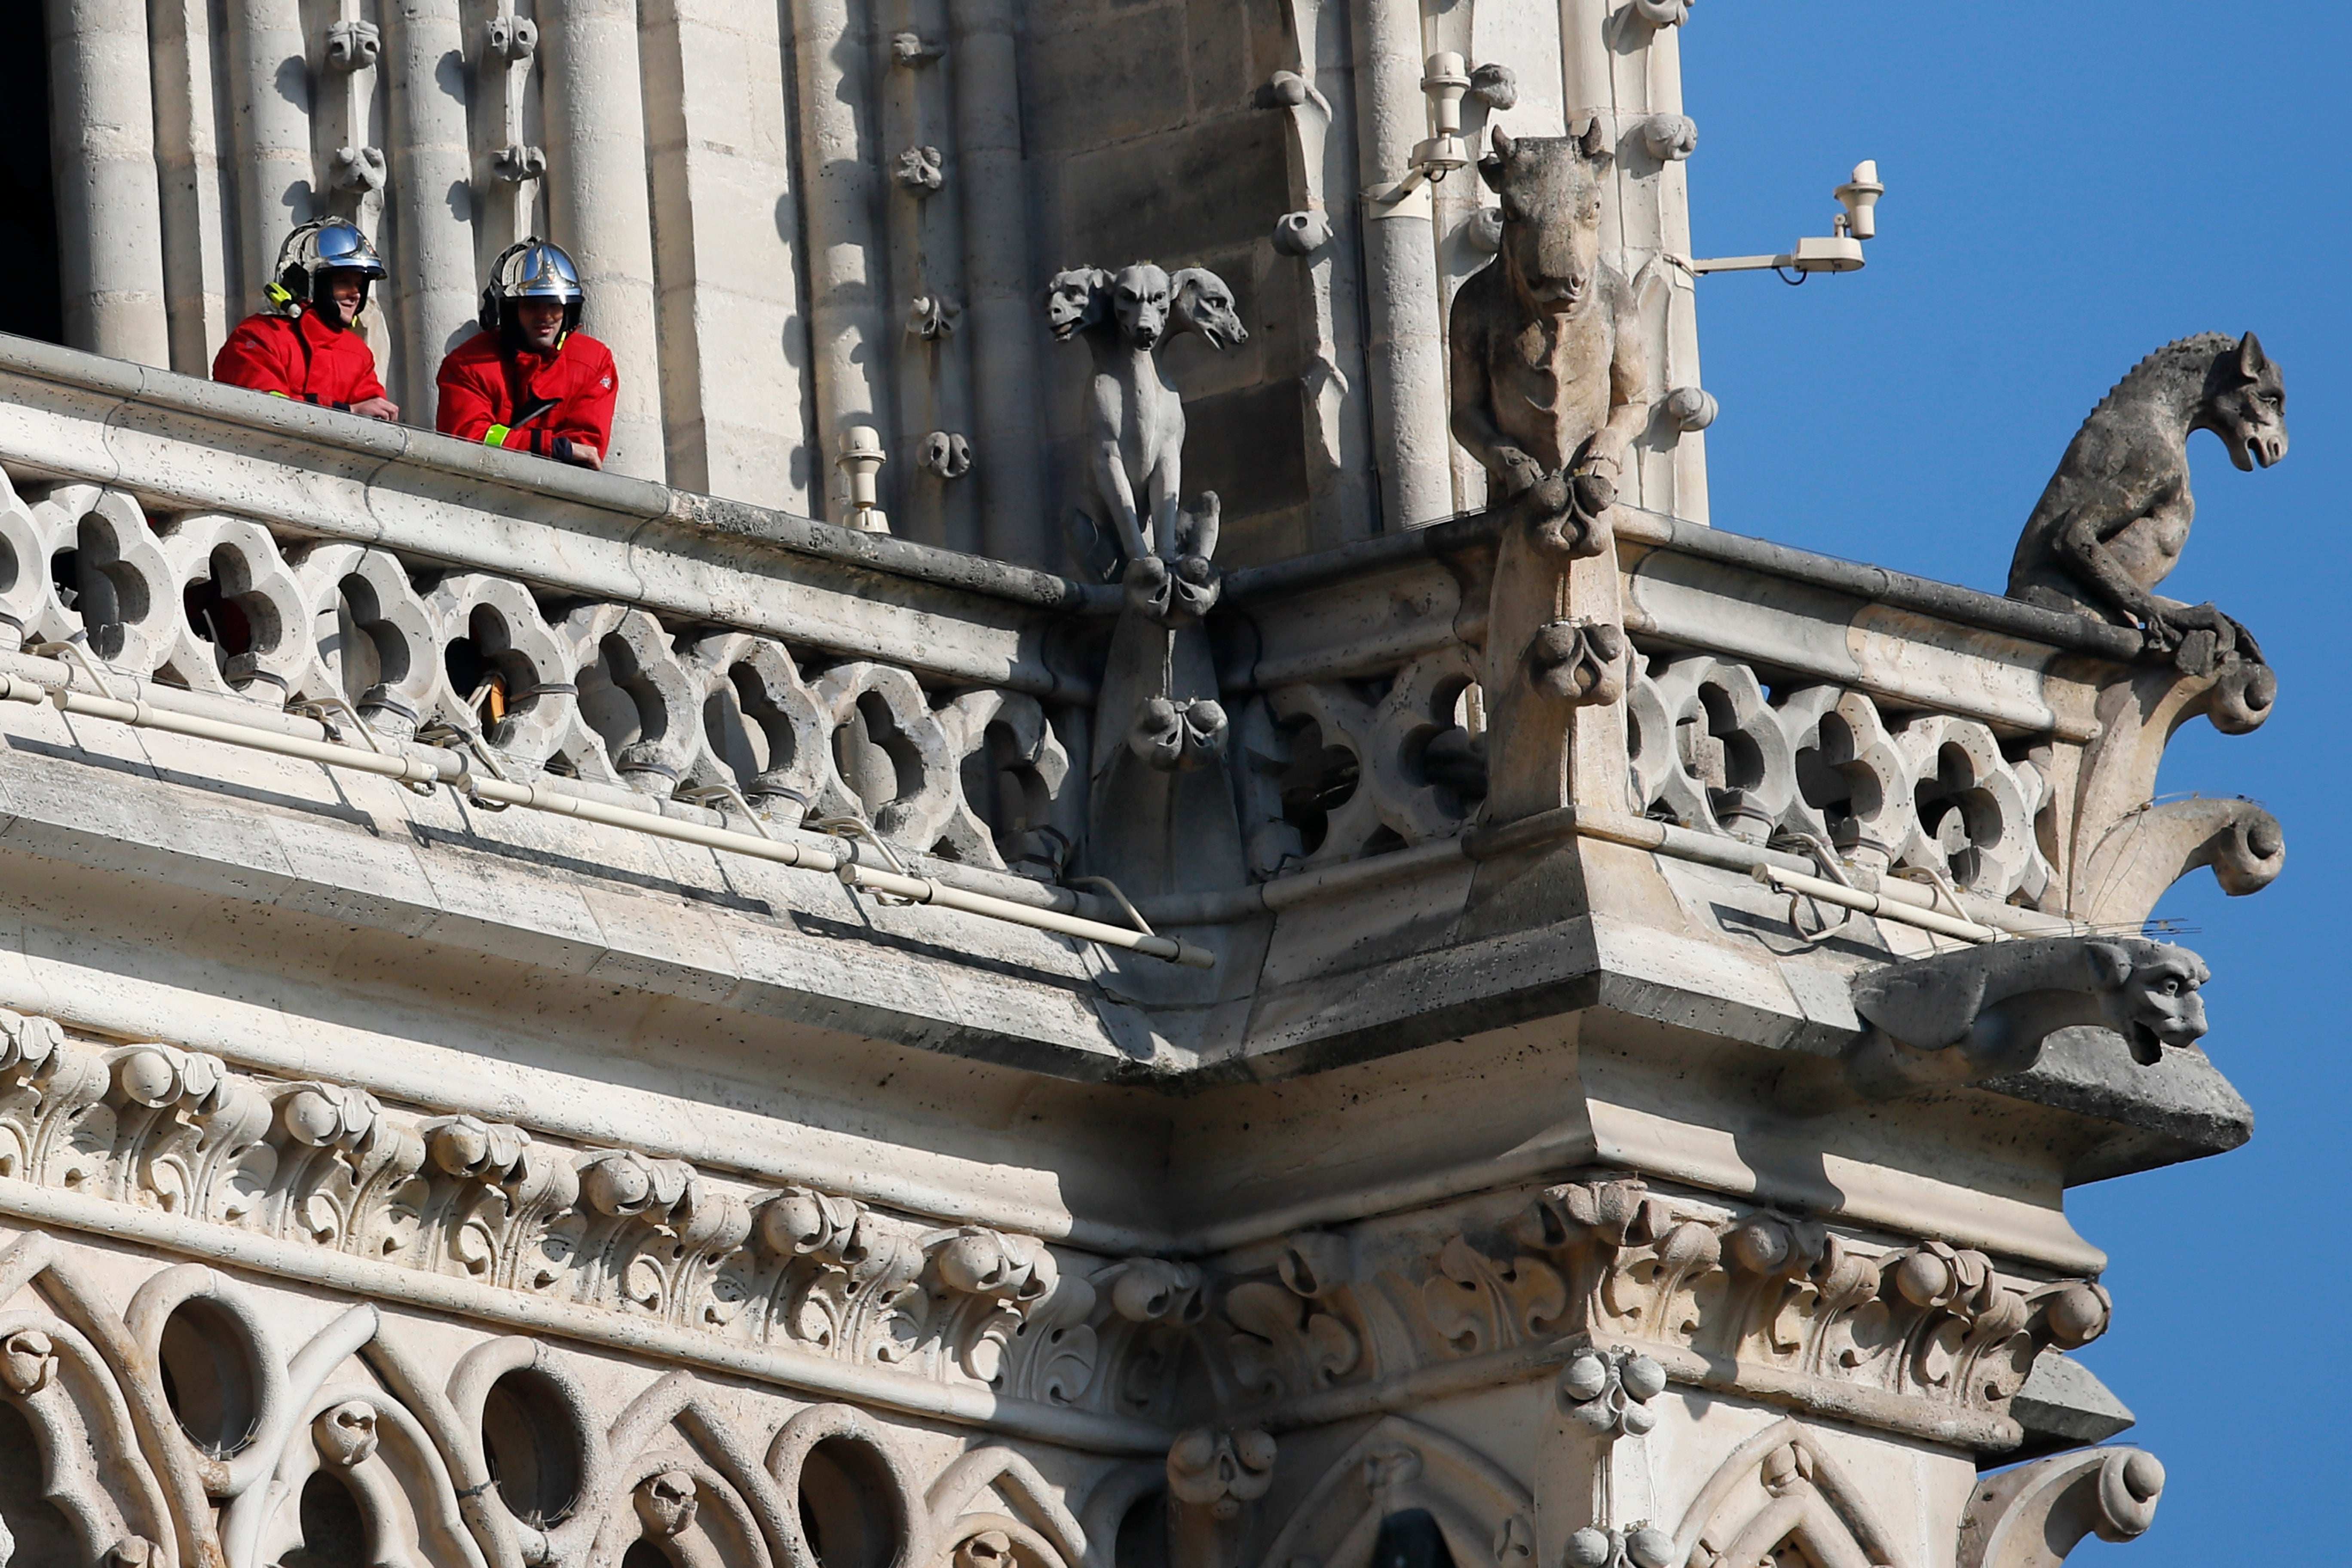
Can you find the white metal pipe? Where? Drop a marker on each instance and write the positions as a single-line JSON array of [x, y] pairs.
[[1824, 891], [841, 182], [102, 154], [1002, 314], [1406, 346], [432, 288], [270, 131], [600, 210], [448, 767]]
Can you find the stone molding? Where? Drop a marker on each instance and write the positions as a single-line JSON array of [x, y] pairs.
[[150, 1127], [1920, 1338]]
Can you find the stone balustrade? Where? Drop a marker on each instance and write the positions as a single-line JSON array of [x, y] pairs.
[[272, 557], [252, 557]]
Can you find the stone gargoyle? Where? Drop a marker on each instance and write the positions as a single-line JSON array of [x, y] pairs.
[[1548, 391], [1983, 1013], [1135, 420], [2112, 521]]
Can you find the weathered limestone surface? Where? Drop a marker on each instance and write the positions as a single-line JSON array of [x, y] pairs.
[[1459, 1183], [558, 1019]]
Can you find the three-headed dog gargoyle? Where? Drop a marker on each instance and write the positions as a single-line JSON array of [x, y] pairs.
[[1982, 1013], [1135, 421], [2115, 518], [1549, 386]]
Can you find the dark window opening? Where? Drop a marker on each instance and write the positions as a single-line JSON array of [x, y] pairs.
[[30, 297]]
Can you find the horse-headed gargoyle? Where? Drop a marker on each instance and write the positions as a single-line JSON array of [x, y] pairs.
[[2115, 518], [1550, 385], [1135, 421], [1984, 1012]]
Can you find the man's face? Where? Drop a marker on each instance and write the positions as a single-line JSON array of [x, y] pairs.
[[542, 321], [346, 286]]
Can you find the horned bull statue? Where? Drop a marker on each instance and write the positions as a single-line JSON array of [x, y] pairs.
[[1986, 1012], [1552, 383]]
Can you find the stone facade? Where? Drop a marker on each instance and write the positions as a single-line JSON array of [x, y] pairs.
[[562, 1019]]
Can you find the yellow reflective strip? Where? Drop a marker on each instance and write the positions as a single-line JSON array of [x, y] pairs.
[[497, 436], [282, 394]]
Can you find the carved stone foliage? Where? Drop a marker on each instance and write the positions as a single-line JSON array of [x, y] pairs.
[[1932, 1338], [154, 1126], [351, 1441], [2037, 1514], [605, 692]]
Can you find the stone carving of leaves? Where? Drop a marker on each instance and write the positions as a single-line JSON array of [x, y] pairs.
[[1282, 1344]]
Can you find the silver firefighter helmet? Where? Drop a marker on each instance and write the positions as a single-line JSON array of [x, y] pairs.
[[313, 250], [533, 269]]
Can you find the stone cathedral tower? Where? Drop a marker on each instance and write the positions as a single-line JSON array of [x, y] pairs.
[[1134, 891]]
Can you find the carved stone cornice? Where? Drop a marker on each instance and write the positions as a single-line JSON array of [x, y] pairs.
[[153, 1127], [1919, 1337]]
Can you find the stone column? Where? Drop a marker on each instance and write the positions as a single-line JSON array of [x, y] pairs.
[[1619, 66], [433, 287], [1004, 315], [848, 326], [102, 150], [927, 248], [198, 269], [1406, 346], [599, 210], [269, 135], [727, 233]]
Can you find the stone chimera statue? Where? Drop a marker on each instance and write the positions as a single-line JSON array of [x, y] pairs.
[[2112, 521]]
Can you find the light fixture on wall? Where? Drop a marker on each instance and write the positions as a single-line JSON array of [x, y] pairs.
[[1446, 77], [1839, 251]]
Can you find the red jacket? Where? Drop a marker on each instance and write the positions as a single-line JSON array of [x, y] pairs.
[[298, 357], [484, 389]]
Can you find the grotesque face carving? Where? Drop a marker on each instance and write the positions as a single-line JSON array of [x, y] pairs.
[[1550, 188], [2245, 404], [2152, 1003], [346, 1435], [1205, 305], [1139, 299], [1074, 300], [666, 1503]]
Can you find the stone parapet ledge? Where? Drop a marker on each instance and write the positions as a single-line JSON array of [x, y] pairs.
[[184, 445]]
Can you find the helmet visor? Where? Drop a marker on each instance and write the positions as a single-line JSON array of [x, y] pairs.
[[340, 246], [542, 271]]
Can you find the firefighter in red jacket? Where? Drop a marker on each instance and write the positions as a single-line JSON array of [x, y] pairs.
[[303, 347], [530, 380]]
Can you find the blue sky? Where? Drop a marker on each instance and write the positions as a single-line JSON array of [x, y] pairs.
[[2069, 187]]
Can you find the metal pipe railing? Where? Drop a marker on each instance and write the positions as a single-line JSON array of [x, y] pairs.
[[434, 766]]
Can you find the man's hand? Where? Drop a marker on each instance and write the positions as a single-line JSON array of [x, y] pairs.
[[382, 408], [584, 455]]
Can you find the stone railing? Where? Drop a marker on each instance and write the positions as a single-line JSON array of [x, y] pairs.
[[614, 633], [1887, 723], [646, 643]]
